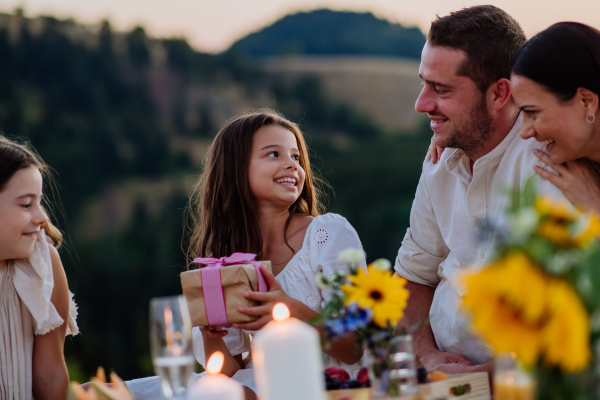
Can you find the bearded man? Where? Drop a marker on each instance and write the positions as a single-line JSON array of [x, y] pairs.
[[465, 68]]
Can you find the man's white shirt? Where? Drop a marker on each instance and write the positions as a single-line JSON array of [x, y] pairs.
[[450, 205]]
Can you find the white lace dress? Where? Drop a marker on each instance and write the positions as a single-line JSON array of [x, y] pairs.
[[325, 237], [26, 310]]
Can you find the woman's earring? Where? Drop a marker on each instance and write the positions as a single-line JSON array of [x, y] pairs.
[[590, 118]]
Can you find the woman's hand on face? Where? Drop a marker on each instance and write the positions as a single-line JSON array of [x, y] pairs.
[[268, 299], [578, 180], [436, 152], [213, 332]]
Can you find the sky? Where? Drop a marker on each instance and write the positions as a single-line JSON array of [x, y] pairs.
[[213, 25]]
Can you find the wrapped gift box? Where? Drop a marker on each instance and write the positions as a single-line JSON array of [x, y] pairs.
[[235, 280]]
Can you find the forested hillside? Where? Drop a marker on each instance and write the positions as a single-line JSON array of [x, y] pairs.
[[327, 32], [124, 120]]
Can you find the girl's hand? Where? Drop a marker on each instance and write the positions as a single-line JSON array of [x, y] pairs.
[[578, 180], [213, 332], [268, 299], [436, 152]]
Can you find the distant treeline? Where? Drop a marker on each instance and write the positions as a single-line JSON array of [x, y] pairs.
[[105, 109], [327, 32]]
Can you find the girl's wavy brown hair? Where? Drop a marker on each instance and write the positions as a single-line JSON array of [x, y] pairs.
[[15, 156], [222, 206]]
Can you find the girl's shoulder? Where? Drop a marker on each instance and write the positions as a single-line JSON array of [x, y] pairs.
[[330, 220], [330, 228]]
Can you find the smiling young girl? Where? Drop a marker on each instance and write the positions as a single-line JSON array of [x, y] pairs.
[[35, 306], [258, 195]]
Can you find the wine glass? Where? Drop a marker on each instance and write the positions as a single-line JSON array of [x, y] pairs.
[[171, 344]]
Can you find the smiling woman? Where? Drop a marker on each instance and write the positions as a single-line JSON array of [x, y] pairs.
[[556, 84], [34, 296]]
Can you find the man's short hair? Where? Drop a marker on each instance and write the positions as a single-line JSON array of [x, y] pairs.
[[488, 35]]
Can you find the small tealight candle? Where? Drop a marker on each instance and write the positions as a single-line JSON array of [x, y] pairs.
[[214, 385], [287, 359], [510, 381]]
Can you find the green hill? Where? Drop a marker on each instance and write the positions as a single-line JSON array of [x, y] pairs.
[[327, 32]]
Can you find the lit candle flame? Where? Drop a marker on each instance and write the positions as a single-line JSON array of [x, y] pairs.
[[280, 312], [168, 314], [215, 363]]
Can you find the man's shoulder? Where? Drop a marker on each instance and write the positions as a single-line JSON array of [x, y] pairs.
[[519, 154], [431, 170]]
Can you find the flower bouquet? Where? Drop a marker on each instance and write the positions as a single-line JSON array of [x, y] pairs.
[[369, 303], [537, 297]]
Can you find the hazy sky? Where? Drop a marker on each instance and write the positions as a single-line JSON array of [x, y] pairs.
[[212, 25]]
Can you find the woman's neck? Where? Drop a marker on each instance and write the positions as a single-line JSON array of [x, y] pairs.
[[594, 145], [3, 263]]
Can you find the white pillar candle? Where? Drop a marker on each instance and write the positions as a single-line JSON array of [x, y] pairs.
[[214, 385], [286, 354]]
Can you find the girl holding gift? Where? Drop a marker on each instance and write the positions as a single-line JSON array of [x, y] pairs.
[[258, 195], [36, 309]]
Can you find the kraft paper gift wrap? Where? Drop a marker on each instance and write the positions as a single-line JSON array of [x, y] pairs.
[[235, 280]]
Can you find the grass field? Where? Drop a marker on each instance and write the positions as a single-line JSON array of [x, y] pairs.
[[383, 88]]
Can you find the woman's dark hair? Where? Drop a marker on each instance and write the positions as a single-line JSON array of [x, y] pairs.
[[562, 58], [222, 209], [15, 156]]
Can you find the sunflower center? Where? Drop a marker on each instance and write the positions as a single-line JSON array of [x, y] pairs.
[[375, 295], [517, 313], [559, 220]]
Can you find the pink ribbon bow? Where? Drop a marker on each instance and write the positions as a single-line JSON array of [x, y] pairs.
[[214, 301]]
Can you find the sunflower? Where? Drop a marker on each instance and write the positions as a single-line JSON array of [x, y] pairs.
[[506, 303], [587, 229], [380, 291], [564, 225], [517, 308], [567, 334]]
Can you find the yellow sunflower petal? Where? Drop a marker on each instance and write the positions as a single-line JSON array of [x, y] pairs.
[[380, 291]]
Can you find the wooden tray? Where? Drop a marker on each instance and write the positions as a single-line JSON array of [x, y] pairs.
[[476, 386]]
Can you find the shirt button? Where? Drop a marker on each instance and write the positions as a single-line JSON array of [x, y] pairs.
[[477, 222], [481, 254]]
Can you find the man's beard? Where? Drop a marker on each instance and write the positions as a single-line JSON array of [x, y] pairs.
[[475, 130]]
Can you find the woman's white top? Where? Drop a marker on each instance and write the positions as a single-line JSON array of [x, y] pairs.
[[26, 310], [326, 236]]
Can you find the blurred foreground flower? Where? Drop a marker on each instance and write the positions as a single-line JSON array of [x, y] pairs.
[[351, 256], [564, 225], [534, 296], [518, 308]]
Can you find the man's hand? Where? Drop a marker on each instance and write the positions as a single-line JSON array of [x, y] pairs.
[[439, 360]]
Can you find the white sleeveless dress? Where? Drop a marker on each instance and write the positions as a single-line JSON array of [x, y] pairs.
[[26, 310], [325, 237]]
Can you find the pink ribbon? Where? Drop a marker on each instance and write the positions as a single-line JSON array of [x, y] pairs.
[[214, 301]]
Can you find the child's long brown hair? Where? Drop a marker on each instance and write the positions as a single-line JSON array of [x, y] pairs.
[[222, 207], [15, 156]]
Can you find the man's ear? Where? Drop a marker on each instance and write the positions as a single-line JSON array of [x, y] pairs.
[[588, 99], [498, 94]]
